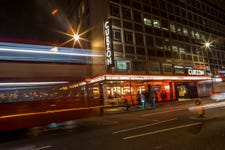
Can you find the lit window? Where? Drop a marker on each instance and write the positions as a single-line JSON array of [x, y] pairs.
[[156, 23], [116, 35], [174, 48], [148, 22], [185, 31], [172, 28]]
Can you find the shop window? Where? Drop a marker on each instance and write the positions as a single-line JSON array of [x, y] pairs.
[[114, 10], [126, 13], [116, 35], [128, 37]]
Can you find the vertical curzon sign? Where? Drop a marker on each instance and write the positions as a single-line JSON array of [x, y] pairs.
[[108, 44]]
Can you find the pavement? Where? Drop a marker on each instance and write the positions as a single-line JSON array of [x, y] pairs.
[[122, 109]]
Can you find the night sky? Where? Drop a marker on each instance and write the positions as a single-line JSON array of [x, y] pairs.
[[32, 20]]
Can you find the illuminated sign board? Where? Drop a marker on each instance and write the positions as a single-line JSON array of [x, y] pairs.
[[195, 72], [108, 44]]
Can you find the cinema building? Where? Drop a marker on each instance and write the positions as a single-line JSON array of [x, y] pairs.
[[153, 44]]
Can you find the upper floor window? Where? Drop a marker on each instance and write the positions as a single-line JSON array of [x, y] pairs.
[[147, 21], [116, 35], [114, 10], [156, 23], [128, 36], [126, 13]]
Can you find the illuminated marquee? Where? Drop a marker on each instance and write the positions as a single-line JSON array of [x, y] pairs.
[[196, 72], [108, 44]]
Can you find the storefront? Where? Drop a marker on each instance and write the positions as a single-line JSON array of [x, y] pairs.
[[114, 89]]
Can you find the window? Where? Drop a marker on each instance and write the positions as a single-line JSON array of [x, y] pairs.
[[175, 48], [129, 49], [117, 47], [116, 35], [116, 22], [165, 25], [172, 28], [156, 23], [149, 41], [151, 52], [137, 17], [140, 51], [114, 10], [154, 66], [167, 68], [139, 39], [126, 13], [127, 25], [139, 66], [128, 37], [185, 31], [147, 22]]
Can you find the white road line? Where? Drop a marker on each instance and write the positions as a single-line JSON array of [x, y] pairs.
[[163, 130], [163, 112], [143, 126], [44, 147]]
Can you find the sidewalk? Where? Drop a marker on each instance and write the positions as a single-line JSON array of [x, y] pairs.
[[122, 109]]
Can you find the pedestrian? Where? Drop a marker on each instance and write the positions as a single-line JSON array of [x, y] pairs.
[[138, 97], [143, 99], [153, 98]]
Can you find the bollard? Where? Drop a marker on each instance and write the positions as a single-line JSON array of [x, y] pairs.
[[200, 111]]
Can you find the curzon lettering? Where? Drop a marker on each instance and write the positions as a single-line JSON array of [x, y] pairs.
[[196, 72], [108, 44]]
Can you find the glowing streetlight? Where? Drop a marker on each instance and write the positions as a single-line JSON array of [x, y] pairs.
[[207, 44], [76, 37]]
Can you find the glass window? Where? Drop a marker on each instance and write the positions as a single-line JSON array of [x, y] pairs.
[[156, 23], [175, 48], [167, 68], [139, 66], [149, 41], [137, 17], [154, 66], [139, 39], [140, 51], [129, 49], [147, 22], [114, 10], [127, 25], [165, 25], [172, 28], [185, 31], [116, 35], [151, 52], [128, 37], [126, 13]]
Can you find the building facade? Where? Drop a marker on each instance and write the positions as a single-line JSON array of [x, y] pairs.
[[155, 37]]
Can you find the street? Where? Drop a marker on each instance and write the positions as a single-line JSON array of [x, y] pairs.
[[170, 127]]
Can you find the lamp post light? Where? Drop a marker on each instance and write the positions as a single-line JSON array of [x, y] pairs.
[[76, 37]]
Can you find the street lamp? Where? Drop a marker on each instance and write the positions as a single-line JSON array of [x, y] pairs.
[[76, 37]]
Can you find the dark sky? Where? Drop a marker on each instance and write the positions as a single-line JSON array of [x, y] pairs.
[[32, 20]]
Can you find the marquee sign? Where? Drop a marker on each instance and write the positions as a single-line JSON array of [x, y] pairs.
[[196, 72], [108, 44]]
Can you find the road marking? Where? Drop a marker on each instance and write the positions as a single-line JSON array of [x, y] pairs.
[[143, 126], [44, 147], [163, 112], [49, 111], [162, 130]]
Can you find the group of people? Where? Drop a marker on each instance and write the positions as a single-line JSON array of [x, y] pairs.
[[147, 99]]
